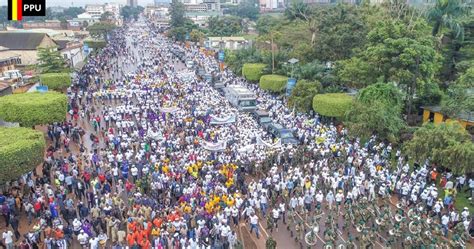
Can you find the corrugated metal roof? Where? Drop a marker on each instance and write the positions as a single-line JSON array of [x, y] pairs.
[[21, 40]]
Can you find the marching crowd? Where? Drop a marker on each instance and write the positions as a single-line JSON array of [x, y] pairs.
[[128, 167]]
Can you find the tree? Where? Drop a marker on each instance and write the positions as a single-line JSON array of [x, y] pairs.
[[354, 72], [129, 12], [332, 104], [177, 11], [302, 95], [397, 54], [458, 99], [236, 59], [51, 61], [446, 13], [381, 93], [21, 150], [274, 83], [101, 29], [341, 29], [106, 16], [253, 71], [246, 9], [300, 10], [376, 117], [312, 71], [30, 109], [196, 35], [224, 26], [265, 23], [445, 144], [56, 81]]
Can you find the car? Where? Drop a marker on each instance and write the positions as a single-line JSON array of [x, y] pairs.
[[282, 133], [262, 117]]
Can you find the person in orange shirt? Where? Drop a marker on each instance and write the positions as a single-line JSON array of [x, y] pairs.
[[145, 244], [130, 238]]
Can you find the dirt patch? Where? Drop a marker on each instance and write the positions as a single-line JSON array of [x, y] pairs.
[[247, 238]]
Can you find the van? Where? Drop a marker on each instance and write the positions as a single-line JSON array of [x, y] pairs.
[[240, 97]]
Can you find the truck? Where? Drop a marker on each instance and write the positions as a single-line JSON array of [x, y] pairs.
[[241, 98]]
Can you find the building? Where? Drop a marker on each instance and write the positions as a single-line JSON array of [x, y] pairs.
[[48, 24], [231, 43], [94, 10], [435, 115], [200, 17], [84, 17], [72, 51], [8, 59], [113, 8], [74, 25], [132, 3], [272, 5], [26, 44]]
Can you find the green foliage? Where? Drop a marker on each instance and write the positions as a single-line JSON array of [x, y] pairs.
[[332, 104], [266, 23], [467, 79], [429, 95], [312, 71], [50, 60], [270, 243], [246, 9], [273, 82], [341, 29], [96, 44], [56, 81], [100, 29], [446, 13], [354, 72], [129, 12], [30, 109], [196, 35], [381, 92], [236, 59], [224, 25], [302, 95], [374, 117], [177, 11], [445, 144], [457, 101], [253, 71], [21, 150]]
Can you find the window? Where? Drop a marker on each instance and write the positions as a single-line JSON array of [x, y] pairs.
[[247, 103]]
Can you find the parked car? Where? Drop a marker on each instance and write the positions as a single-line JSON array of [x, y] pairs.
[[280, 132], [262, 117]]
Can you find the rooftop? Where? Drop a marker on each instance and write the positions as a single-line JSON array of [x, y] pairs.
[[465, 116], [21, 40]]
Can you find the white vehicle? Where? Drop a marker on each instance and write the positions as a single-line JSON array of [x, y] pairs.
[[13, 74], [241, 98]]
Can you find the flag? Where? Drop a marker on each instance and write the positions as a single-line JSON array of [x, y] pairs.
[[15, 10]]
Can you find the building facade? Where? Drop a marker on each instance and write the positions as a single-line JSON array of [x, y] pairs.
[[132, 3]]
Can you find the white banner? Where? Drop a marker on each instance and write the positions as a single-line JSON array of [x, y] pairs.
[[169, 109], [219, 146], [247, 149], [261, 142], [225, 120]]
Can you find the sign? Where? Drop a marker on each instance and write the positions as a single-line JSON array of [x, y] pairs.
[[85, 48], [221, 56], [42, 89], [19, 8], [187, 36], [290, 85]]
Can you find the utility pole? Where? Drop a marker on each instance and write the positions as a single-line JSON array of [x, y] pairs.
[[273, 54]]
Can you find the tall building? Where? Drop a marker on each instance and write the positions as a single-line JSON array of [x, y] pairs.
[[132, 3], [162, 2]]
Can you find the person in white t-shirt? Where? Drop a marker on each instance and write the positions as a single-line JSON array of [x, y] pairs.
[[8, 239]]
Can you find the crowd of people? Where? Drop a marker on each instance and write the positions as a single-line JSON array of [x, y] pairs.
[[139, 163]]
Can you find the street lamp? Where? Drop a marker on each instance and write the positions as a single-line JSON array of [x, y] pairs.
[[293, 61]]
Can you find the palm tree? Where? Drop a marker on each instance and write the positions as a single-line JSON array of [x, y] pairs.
[[446, 13]]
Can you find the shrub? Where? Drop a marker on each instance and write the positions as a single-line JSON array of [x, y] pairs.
[[253, 71], [332, 104], [21, 150], [273, 82], [56, 81], [30, 109], [96, 44]]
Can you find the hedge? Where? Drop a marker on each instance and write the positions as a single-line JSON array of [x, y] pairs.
[[332, 104], [253, 71], [56, 81], [96, 44], [273, 82], [30, 109], [21, 150]]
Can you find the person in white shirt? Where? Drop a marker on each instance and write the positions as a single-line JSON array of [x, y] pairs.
[[254, 224], [8, 239], [445, 223], [83, 239], [276, 217]]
